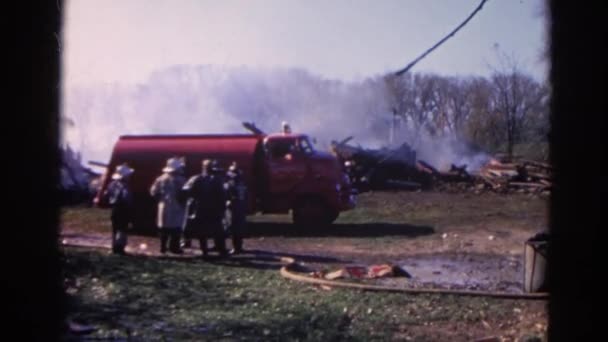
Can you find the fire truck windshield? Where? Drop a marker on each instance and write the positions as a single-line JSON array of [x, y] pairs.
[[306, 146]]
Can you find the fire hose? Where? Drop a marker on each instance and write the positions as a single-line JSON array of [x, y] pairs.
[[290, 264]]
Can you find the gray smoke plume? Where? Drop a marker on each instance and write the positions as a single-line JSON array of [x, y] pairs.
[[212, 99]]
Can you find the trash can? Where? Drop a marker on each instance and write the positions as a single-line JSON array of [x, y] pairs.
[[535, 262]]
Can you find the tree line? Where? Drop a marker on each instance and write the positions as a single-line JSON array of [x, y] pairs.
[[507, 112]]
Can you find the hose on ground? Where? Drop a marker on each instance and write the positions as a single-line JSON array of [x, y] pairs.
[[288, 271]]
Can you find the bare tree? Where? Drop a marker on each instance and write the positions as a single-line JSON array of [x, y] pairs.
[[460, 94], [481, 126], [452, 105], [517, 98]]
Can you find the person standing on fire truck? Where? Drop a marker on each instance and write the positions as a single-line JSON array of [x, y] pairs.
[[119, 196], [206, 192], [237, 205], [285, 128], [166, 190]]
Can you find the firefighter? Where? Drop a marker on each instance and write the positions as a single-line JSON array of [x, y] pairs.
[[349, 169], [237, 205], [286, 129], [219, 235], [119, 196], [189, 222], [188, 209], [170, 215], [208, 198]]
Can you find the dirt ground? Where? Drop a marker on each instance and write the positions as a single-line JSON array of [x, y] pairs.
[[443, 240], [456, 240]]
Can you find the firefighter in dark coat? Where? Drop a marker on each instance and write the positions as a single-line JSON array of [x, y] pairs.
[[119, 196], [207, 197], [237, 205]]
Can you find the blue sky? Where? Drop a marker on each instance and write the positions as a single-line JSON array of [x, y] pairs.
[[125, 40]]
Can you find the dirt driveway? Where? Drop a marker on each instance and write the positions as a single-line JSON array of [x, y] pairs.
[[443, 240]]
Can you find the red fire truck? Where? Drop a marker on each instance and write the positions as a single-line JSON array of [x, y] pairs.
[[283, 172]]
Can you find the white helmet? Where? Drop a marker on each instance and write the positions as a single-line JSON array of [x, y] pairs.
[[122, 171], [173, 164]]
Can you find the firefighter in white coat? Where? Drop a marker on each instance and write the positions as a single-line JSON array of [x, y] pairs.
[[166, 190]]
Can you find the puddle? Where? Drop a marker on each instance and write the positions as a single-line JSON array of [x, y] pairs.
[[465, 271]]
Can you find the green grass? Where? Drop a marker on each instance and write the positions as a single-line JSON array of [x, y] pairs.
[[156, 299], [439, 209], [85, 219], [431, 209]]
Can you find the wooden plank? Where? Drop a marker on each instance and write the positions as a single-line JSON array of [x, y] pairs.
[[539, 175], [427, 166], [527, 184], [502, 173], [494, 173], [490, 182], [538, 164]]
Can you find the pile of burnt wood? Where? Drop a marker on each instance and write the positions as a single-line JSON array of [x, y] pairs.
[[77, 184], [399, 169], [381, 169], [519, 176]]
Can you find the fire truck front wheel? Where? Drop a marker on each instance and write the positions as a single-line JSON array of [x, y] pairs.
[[313, 211]]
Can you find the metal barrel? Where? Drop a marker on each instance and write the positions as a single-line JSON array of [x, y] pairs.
[[535, 262]]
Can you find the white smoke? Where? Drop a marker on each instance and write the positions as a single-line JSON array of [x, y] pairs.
[[211, 99], [442, 152]]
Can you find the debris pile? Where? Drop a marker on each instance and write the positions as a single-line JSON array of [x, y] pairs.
[[363, 272], [398, 169], [77, 184], [522, 176], [380, 169]]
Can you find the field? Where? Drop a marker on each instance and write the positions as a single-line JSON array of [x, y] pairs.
[[444, 240]]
